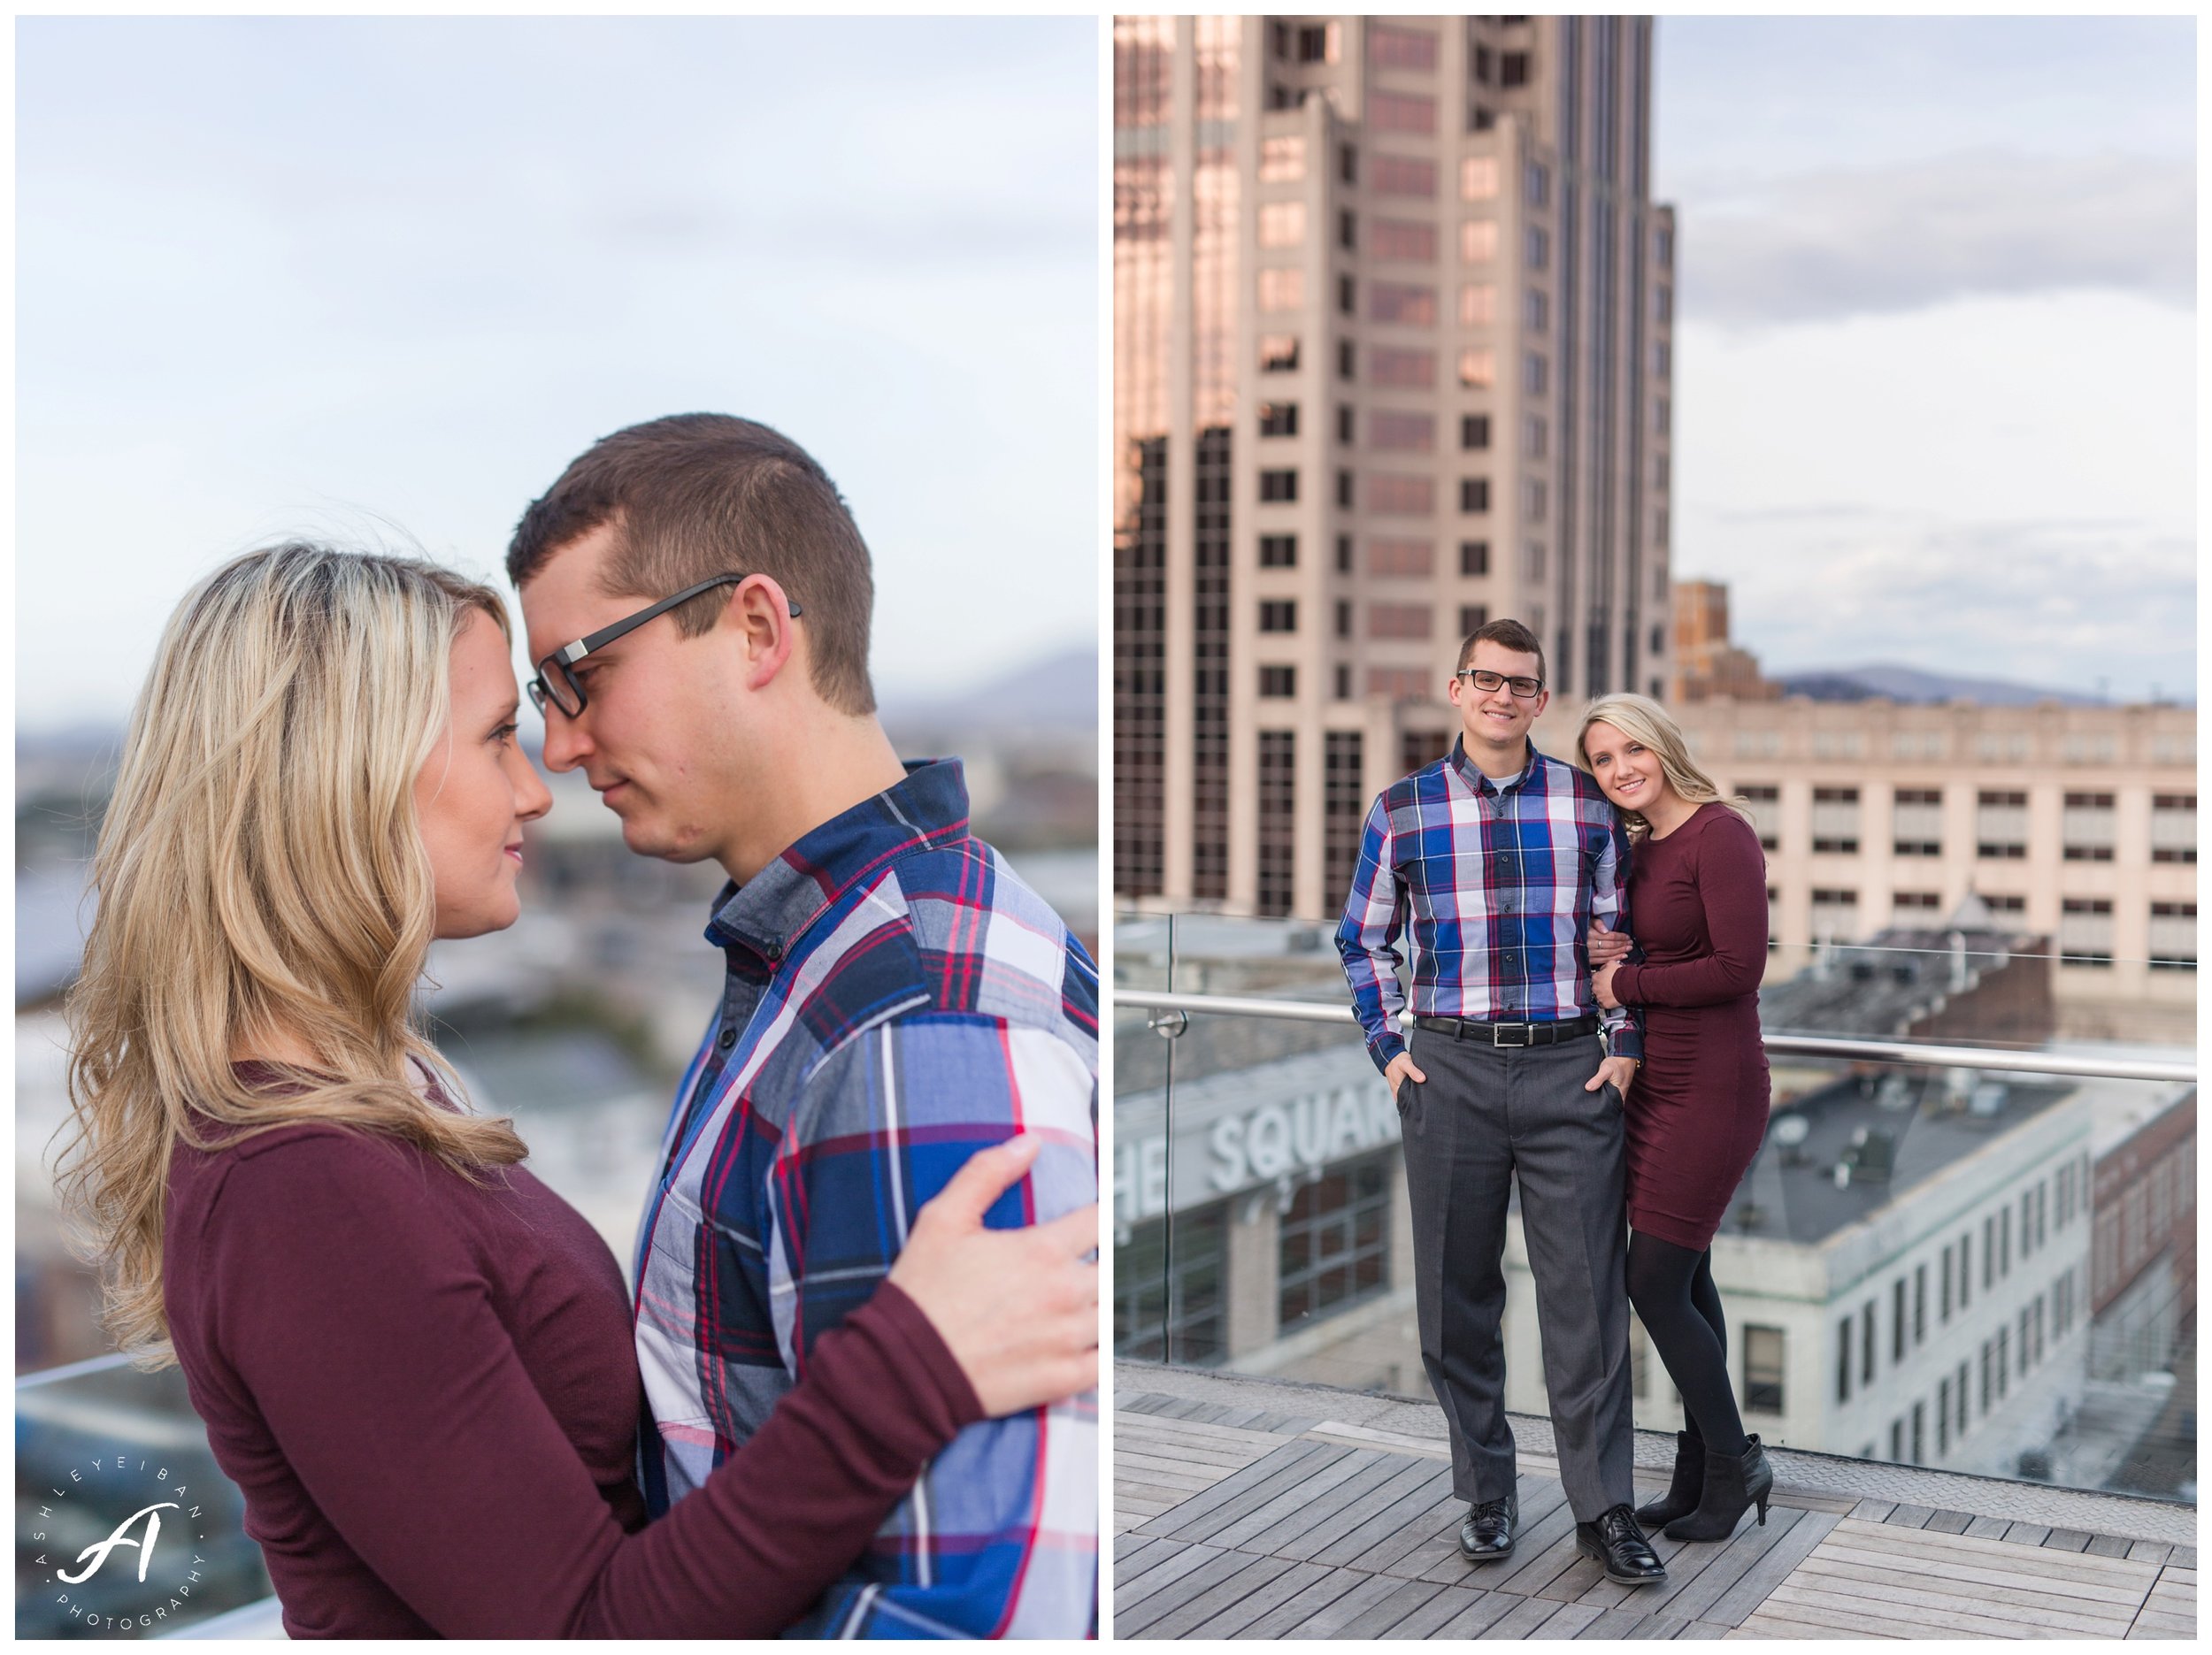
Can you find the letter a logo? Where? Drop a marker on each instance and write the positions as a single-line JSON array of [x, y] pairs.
[[99, 1553]]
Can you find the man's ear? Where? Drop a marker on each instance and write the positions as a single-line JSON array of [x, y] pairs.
[[758, 615]]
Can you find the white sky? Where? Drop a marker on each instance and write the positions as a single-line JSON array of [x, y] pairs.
[[384, 278], [1936, 349]]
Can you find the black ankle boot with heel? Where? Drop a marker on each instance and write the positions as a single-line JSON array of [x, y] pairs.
[[1734, 1484], [1681, 1498]]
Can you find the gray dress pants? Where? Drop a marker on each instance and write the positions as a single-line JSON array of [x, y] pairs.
[[1485, 1115]]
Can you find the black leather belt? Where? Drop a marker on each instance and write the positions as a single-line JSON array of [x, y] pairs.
[[1510, 1033]]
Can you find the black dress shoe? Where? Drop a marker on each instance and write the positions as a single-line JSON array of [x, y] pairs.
[[1616, 1541], [1486, 1535]]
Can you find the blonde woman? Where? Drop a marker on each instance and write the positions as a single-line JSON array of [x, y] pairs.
[[413, 1359], [1698, 1112]]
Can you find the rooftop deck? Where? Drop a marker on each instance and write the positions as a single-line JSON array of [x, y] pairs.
[[1250, 1508]]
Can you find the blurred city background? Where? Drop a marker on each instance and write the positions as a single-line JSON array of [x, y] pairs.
[[1829, 379], [380, 280]]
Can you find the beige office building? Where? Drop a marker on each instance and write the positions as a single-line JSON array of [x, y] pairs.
[[1392, 343]]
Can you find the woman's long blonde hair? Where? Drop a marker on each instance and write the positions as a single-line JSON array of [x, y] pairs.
[[260, 873], [1644, 721]]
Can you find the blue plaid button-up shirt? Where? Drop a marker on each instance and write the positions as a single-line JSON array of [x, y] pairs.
[[1499, 881], [896, 1000]]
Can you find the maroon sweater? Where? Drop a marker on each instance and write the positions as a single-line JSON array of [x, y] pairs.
[[426, 1389]]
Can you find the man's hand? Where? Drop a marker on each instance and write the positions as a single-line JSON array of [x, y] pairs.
[[1601, 985], [1400, 1066], [1605, 946], [1620, 1070]]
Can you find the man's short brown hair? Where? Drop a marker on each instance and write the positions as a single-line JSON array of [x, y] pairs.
[[696, 495], [1511, 635]]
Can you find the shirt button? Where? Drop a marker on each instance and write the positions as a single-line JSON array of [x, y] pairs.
[[727, 1040]]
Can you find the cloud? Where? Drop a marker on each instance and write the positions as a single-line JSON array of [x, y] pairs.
[[2053, 602], [1823, 245]]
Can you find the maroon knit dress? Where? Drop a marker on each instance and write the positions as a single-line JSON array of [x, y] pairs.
[[1697, 904]]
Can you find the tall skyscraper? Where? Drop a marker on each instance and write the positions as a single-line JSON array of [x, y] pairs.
[[1393, 336]]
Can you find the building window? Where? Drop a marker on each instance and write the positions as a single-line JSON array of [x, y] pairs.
[[1403, 175], [1279, 551], [1335, 1241], [1485, 64], [1513, 68], [1474, 558], [1282, 160], [1535, 500], [1538, 247], [1344, 492], [1539, 185], [1172, 1307], [1912, 902], [1943, 1416], [1343, 800], [1477, 367], [1278, 419], [1277, 683], [1917, 821], [1897, 1321], [1474, 432], [1472, 618], [1919, 1433], [1402, 239], [1958, 1391], [1835, 915], [1344, 357], [1398, 684], [1897, 1441], [1282, 223], [1763, 1370], [1278, 615], [1478, 177], [1943, 1313], [1279, 353], [1282, 288], [1279, 819], [2002, 1363], [2085, 829], [1983, 1388], [1536, 311], [1765, 803], [1343, 693], [1477, 304], [1535, 374], [1396, 557], [1343, 554], [1966, 1269], [1397, 431], [2004, 1243], [2000, 826], [1474, 493], [1536, 438], [1399, 620], [1402, 304], [1347, 229], [1836, 820], [1343, 619], [1278, 486], [1412, 370], [1400, 111], [1866, 1343], [2084, 931], [2173, 937], [1919, 1304], [1843, 1360], [1345, 431], [2174, 827], [1348, 163], [1478, 240], [1347, 296]]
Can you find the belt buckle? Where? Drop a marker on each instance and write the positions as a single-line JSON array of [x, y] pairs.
[[1497, 1031]]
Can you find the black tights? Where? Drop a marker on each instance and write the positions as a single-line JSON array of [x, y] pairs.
[[1672, 1289]]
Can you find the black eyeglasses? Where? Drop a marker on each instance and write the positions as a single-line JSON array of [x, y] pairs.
[[1488, 682], [555, 686]]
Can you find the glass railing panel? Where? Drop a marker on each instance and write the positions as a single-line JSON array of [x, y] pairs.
[[1983, 1267], [96, 1444]]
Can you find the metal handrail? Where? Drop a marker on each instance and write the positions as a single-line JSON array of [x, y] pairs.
[[1782, 1045], [71, 1370]]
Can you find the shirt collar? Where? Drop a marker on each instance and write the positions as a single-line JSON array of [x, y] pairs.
[[1479, 783], [765, 914]]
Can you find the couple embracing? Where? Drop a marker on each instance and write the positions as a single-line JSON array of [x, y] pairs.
[[1612, 1065], [848, 1391]]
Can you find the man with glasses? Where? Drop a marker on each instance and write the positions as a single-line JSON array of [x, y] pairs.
[[1498, 858], [697, 599]]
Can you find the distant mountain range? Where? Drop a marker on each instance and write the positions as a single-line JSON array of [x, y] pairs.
[[1054, 693], [1911, 683]]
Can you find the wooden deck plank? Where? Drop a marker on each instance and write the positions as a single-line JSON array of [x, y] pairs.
[[1521, 1621], [1285, 1583], [1153, 1427], [1129, 1600], [1873, 1511], [2151, 1624], [1187, 1459], [1787, 1620], [1416, 1499], [1857, 1554], [1225, 1593], [1125, 1557], [1689, 1564], [1300, 1495], [1484, 1611], [1988, 1528], [1174, 1555], [1446, 1606], [1944, 1522], [2151, 1551], [2108, 1546], [2067, 1540], [1368, 1610], [1438, 1559], [1331, 1527], [2041, 1563], [2014, 1607], [1290, 1525], [1773, 1565], [2184, 1558], [1626, 1623], [1910, 1516], [2014, 1602], [1534, 1563], [1568, 1622], [2027, 1534], [1441, 1516], [1147, 1608], [1268, 1473], [1942, 1616], [1324, 1587]]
